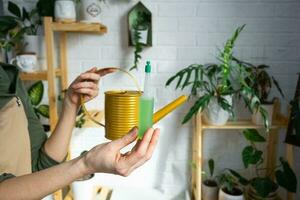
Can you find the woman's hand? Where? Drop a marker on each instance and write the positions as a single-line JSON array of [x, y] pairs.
[[106, 158], [86, 84]]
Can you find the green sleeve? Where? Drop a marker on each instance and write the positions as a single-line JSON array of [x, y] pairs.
[[40, 160], [5, 176]]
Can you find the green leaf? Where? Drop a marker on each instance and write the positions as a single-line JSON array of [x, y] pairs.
[[25, 14], [242, 180], [43, 110], [253, 135], [35, 93], [211, 166], [7, 23], [14, 9], [263, 186], [251, 156], [199, 105], [286, 178]]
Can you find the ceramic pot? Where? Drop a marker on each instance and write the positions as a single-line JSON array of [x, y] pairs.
[[65, 11], [143, 36], [209, 191], [258, 119], [214, 114], [35, 44], [90, 11], [225, 196], [251, 194], [84, 189], [26, 61], [49, 197]]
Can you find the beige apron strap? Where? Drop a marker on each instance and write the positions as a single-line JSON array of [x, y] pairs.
[[15, 153]]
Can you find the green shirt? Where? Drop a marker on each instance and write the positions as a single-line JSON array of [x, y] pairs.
[[11, 86]]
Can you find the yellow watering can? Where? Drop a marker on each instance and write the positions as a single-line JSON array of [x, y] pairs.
[[122, 110]]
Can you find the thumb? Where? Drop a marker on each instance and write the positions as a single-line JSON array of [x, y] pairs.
[[127, 139]]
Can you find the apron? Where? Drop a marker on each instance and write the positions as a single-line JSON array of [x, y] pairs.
[[15, 152]]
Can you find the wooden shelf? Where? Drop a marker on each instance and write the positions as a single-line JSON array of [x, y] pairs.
[[40, 75], [79, 27], [245, 124]]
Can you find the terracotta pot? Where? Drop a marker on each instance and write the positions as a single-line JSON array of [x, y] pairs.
[[225, 196], [209, 191], [257, 118], [214, 113]]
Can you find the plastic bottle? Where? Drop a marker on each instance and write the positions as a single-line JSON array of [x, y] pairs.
[[146, 104]]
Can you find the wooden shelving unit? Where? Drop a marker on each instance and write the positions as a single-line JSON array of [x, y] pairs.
[[53, 72], [279, 121]]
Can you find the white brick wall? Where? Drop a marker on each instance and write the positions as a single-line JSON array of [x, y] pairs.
[[188, 31]]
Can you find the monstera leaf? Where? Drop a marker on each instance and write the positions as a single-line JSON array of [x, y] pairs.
[[36, 92]]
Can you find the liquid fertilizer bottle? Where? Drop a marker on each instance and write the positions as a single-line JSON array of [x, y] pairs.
[[146, 104]]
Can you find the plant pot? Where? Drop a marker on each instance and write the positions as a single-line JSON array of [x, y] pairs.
[[214, 114], [35, 44], [251, 194], [143, 36], [209, 190], [49, 197], [258, 119], [84, 189], [65, 11], [90, 11], [223, 195]]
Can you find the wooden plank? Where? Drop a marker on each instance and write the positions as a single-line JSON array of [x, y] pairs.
[[39, 75], [272, 141], [80, 27], [103, 194], [49, 40], [199, 157], [290, 159], [243, 125], [63, 60]]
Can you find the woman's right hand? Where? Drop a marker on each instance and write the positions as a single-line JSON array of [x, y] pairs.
[[106, 158]]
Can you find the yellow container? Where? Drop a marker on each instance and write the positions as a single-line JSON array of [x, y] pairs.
[[121, 112]]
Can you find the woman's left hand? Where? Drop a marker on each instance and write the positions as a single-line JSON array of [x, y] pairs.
[[86, 84]]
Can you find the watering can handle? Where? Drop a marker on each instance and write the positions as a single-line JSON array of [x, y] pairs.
[[82, 100]]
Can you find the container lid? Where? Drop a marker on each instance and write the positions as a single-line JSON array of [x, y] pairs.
[[148, 67]]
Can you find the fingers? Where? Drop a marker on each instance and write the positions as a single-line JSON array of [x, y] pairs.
[[88, 76], [87, 91], [85, 84], [126, 140], [104, 71]]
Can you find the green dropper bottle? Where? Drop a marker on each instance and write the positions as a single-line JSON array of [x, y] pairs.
[[146, 104]]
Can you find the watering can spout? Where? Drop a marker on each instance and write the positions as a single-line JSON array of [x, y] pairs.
[[168, 108]]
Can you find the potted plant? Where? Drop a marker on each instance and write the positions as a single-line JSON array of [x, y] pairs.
[[65, 11], [139, 35], [209, 185], [262, 186], [262, 83], [90, 10], [229, 187], [30, 23], [11, 35], [217, 83]]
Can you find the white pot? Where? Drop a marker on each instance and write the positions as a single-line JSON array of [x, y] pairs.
[[225, 196], [49, 197], [65, 11], [214, 114], [83, 190], [209, 192], [90, 11], [143, 35], [35, 44], [258, 119]]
